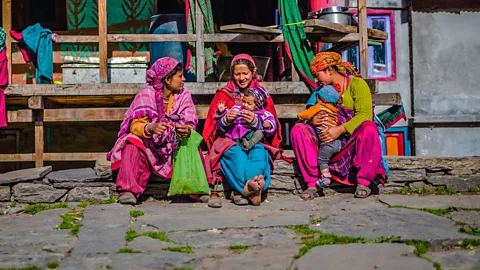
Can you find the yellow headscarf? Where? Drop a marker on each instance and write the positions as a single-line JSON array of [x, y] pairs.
[[324, 60]]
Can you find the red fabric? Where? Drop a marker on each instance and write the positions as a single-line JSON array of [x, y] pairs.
[[134, 172], [3, 84], [23, 48]]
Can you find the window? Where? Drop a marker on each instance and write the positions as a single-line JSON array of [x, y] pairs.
[[381, 57]]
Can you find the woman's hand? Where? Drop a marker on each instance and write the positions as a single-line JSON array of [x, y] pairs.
[[232, 115], [319, 119], [332, 133], [158, 128], [184, 130], [248, 116]]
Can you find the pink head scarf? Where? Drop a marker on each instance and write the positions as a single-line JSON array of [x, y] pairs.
[[255, 81], [161, 68]]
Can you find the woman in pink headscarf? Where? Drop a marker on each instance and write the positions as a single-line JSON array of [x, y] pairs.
[[146, 139], [248, 173]]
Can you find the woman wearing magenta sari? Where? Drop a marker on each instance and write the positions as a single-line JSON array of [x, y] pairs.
[[359, 163], [146, 139], [248, 173]]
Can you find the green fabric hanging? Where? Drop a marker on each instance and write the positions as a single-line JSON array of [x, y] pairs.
[[209, 28], [297, 45]]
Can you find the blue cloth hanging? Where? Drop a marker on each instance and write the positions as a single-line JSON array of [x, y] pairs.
[[39, 42]]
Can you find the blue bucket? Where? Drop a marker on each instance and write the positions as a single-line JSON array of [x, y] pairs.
[[169, 24]]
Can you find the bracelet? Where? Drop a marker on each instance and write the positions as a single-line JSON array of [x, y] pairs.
[[148, 133]]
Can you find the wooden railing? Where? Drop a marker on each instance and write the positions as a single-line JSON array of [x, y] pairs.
[[338, 33]]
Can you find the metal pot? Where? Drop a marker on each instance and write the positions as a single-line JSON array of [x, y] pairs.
[[337, 14], [340, 18]]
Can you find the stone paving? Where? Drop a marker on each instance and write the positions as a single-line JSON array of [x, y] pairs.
[[283, 233]]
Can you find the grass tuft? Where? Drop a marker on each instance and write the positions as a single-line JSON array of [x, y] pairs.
[[317, 220], [439, 212], [132, 234], [474, 189], [444, 191], [238, 248], [83, 204], [182, 268], [471, 231], [36, 208], [332, 239], [13, 204], [470, 243], [421, 246], [110, 200], [303, 229], [128, 250], [136, 213], [186, 249], [71, 221], [52, 264]]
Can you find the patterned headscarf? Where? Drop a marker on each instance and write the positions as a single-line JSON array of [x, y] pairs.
[[324, 60], [2, 39], [260, 97], [161, 68]]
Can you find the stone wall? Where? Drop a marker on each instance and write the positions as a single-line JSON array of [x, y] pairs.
[[460, 174], [41, 185]]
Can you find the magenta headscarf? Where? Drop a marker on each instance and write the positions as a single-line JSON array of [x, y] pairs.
[[147, 102], [159, 70]]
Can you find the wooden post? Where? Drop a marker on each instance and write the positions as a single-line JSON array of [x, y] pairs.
[[7, 25], [102, 39], [200, 51], [36, 104], [362, 29], [295, 76]]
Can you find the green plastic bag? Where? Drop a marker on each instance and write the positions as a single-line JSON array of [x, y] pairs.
[[188, 175]]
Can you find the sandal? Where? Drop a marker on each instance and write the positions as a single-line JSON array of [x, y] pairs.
[[215, 201], [237, 199], [361, 188], [127, 198], [311, 191], [324, 182]]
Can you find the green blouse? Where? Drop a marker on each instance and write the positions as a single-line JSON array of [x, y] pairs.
[[358, 98]]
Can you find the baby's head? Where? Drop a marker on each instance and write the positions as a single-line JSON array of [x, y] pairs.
[[254, 99], [328, 94]]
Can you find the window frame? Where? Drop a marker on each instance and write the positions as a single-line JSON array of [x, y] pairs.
[[392, 55]]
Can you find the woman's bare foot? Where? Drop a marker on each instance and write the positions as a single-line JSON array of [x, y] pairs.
[[256, 197], [261, 181], [251, 186]]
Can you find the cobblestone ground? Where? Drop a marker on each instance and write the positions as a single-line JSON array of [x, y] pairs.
[[332, 232]]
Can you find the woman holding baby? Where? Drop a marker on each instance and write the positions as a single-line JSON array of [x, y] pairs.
[[242, 133], [358, 159]]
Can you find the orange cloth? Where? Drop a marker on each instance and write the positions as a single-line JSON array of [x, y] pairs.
[[328, 108], [324, 60], [137, 127]]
